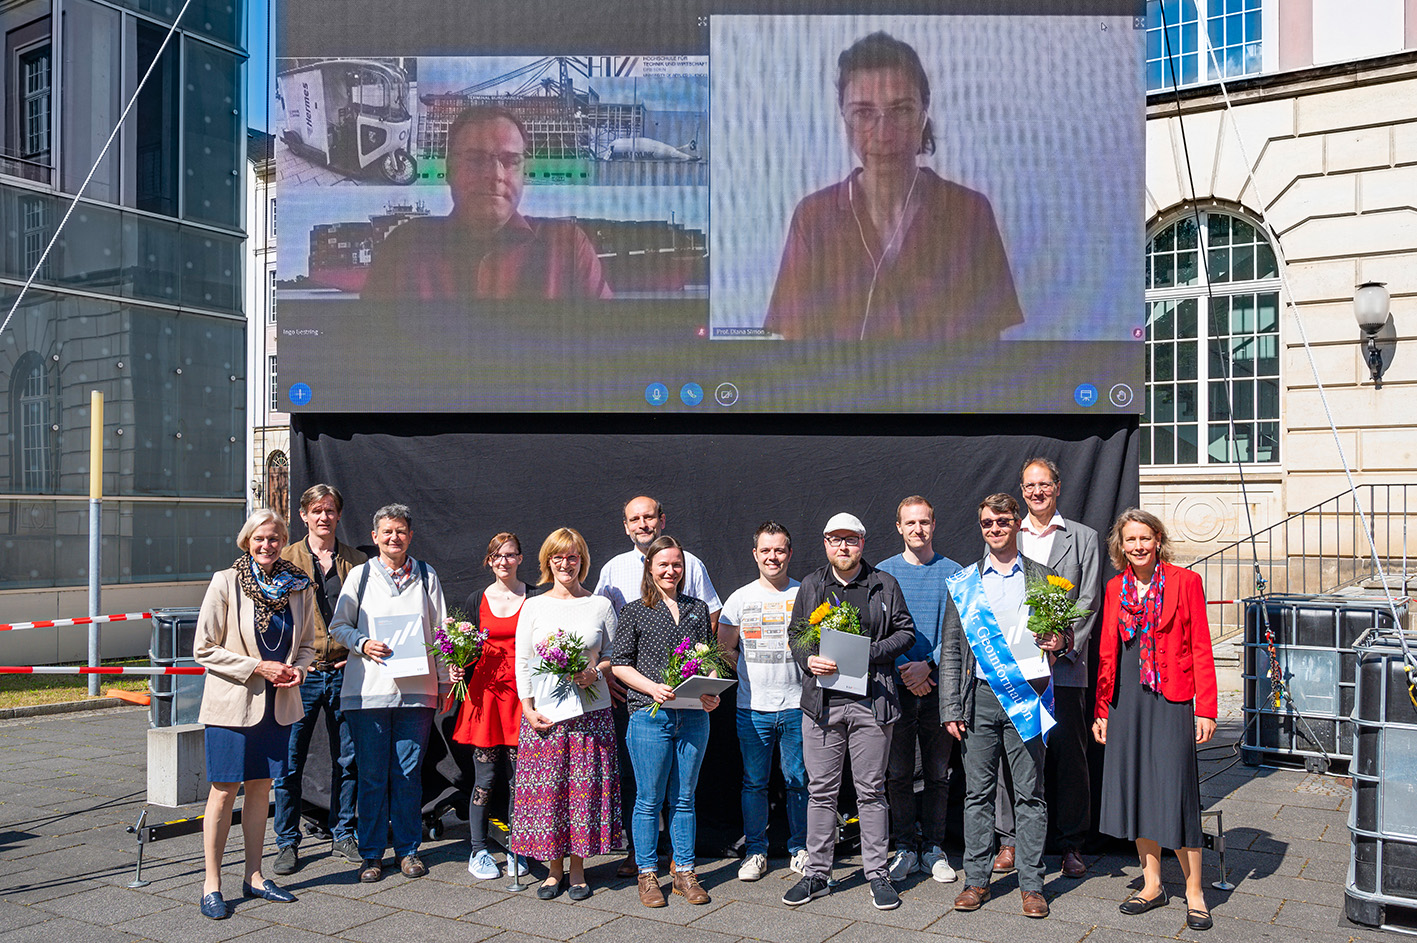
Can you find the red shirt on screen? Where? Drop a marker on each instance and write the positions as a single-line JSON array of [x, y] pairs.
[[949, 279], [435, 259]]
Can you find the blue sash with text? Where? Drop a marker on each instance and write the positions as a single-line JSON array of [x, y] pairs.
[[1030, 713]]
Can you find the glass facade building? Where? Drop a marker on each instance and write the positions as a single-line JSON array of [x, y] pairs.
[[140, 297]]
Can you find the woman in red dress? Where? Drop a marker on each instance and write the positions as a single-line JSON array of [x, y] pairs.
[[491, 714]]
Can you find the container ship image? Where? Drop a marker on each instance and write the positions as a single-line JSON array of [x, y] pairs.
[[638, 257]]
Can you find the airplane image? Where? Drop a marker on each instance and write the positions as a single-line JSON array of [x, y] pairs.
[[641, 148]]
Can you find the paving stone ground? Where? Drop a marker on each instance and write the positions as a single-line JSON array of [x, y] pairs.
[[70, 784]]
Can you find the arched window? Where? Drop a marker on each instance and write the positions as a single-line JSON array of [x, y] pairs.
[[1212, 339], [32, 417], [278, 484]]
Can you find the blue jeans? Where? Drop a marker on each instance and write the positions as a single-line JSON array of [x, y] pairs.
[[758, 731], [388, 746], [320, 691], [666, 751]]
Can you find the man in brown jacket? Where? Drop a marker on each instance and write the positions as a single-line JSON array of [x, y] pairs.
[[328, 562]]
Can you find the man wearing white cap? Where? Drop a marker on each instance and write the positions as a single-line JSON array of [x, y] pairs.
[[836, 723]]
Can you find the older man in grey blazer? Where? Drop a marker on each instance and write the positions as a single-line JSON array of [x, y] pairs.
[[1073, 551]]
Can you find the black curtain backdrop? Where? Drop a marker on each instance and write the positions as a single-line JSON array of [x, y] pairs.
[[466, 477]]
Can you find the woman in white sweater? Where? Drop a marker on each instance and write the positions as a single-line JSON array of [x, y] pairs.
[[568, 779], [390, 702]]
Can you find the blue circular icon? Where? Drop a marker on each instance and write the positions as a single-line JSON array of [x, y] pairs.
[[1085, 395], [656, 394], [691, 394], [300, 394]]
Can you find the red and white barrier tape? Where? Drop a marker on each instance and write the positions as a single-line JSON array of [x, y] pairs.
[[83, 620], [100, 670]]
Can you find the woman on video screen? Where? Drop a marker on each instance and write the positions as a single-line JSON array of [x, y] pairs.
[[894, 251]]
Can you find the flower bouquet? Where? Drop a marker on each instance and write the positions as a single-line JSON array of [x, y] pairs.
[[1050, 609], [843, 618], [457, 642], [563, 656], [692, 659]]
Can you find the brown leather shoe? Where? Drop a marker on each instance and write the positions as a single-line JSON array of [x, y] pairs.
[[1004, 860], [972, 898], [371, 870], [687, 886], [1034, 905], [650, 894], [1073, 866], [627, 868], [412, 866]]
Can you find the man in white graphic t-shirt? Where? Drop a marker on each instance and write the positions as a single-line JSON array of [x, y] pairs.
[[753, 632]]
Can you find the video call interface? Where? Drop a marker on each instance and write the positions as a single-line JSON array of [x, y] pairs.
[[674, 206]]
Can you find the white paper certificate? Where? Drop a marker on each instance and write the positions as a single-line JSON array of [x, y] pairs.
[[852, 654], [404, 634], [553, 706], [1032, 660], [686, 695]]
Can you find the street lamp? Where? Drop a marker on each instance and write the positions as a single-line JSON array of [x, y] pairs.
[[1370, 307]]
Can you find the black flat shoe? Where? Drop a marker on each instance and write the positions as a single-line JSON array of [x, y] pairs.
[[1137, 904], [1199, 919], [269, 890], [213, 907], [579, 892], [548, 890]]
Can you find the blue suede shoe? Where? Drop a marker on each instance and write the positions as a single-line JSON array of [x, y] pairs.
[[213, 907], [269, 890]]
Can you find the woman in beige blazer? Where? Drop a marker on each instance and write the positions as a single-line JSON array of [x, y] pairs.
[[255, 636]]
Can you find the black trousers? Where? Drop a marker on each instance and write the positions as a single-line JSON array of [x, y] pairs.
[[1066, 778]]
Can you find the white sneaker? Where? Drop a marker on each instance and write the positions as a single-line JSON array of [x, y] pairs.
[[481, 866], [518, 865], [799, 861], [903, 865], [753, 868], [938, 865]]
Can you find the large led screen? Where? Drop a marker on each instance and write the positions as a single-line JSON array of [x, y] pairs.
[[786, 207]]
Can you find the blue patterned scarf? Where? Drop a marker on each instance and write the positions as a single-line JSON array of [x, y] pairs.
[[269, 594]]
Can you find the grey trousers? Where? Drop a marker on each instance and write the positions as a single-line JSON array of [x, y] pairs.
[[846, 728], [990, 734]]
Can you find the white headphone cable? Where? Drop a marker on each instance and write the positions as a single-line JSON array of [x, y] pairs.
[[877, 263]]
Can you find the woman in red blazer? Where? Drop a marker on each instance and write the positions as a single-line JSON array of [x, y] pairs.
[[1156, 699]]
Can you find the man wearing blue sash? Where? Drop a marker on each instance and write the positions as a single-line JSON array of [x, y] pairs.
[[995, 697]]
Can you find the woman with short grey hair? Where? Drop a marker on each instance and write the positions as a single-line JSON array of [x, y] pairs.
[[386, 614]]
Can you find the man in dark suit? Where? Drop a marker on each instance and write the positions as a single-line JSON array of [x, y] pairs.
[[975, 702], [1073, 551]]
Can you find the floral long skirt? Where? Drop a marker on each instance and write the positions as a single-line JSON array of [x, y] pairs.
[[568, 789]]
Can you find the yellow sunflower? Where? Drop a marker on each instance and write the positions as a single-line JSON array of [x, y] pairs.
[[819, 613], [1065, 585]]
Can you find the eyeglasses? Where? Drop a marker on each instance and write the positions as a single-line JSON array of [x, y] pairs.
[[485, 160], [834, 542], [1038, 487], [566, 558], [499, 557], [866, 117], [986, 523]]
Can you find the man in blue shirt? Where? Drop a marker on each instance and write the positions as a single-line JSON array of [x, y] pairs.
[[975, 713], [921, 573]]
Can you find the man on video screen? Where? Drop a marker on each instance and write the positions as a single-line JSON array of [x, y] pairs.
[[893, 252], [485, 248]]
